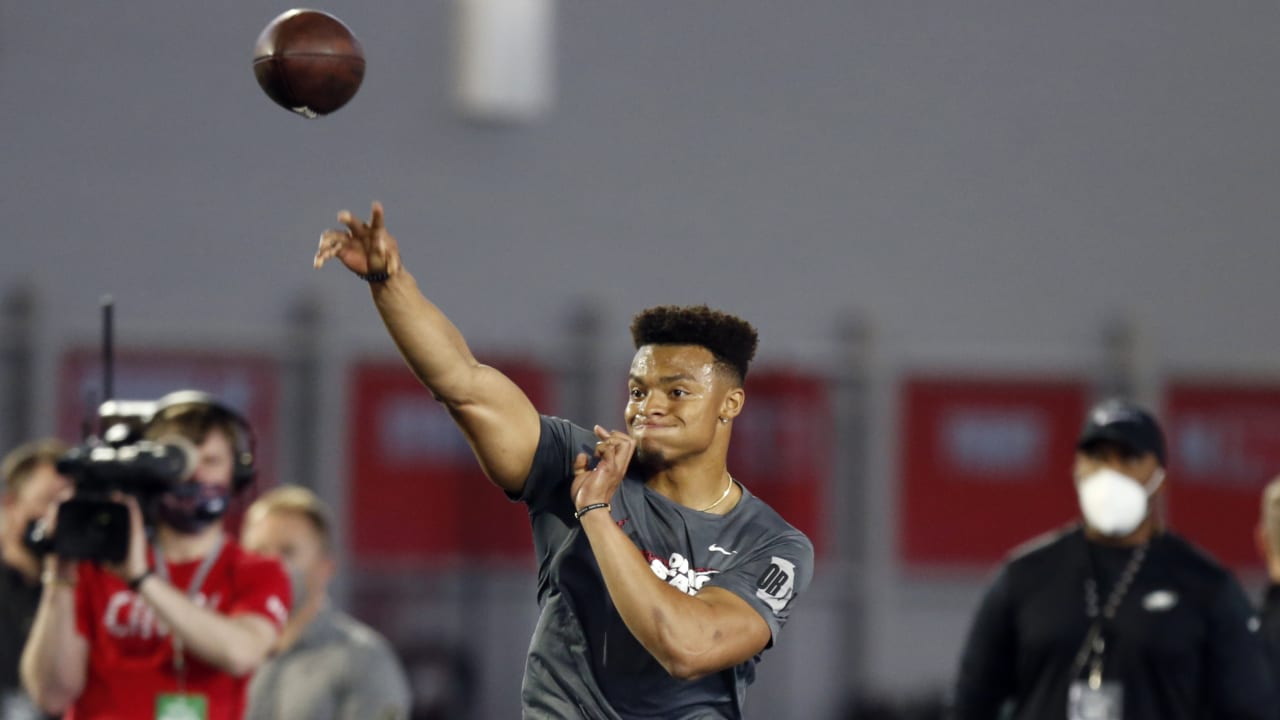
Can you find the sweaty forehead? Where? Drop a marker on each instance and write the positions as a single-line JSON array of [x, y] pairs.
[[654, 363]]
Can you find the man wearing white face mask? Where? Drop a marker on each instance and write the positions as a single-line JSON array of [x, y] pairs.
[[1115, 618]]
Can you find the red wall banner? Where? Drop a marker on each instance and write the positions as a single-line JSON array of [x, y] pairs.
[[782, 446], [985, 465], [416, 490], [1224, 446]]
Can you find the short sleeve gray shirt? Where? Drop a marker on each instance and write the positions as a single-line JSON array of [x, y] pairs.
[[583, 661]]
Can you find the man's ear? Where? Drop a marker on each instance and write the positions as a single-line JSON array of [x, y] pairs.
[[732, 404], [1264, 547], [1164, 481]]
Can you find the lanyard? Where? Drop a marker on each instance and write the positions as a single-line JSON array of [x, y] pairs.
[[1095, 643], [197, 580]]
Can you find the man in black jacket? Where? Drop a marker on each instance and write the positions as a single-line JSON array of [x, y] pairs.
[[1116, 617]]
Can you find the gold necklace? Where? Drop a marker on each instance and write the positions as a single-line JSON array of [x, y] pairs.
[[723, 495]]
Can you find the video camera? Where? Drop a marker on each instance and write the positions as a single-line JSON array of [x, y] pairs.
[[124, 458], [91, 525]]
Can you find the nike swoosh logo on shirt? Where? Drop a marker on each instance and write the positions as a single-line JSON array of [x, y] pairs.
[[716, 548]]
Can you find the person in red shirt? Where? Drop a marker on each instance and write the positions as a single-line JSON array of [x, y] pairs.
[[177, 628]]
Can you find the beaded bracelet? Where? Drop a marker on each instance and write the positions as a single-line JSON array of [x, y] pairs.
[[380, 276], [593, 506]]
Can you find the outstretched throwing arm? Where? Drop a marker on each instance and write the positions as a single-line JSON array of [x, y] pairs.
[[494, 414]]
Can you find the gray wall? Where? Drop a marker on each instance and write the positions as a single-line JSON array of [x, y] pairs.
[[986, 182], [969, 172]]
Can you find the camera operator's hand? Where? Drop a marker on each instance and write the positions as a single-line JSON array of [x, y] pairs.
[[135, 562], [365, 248], [56, 568]]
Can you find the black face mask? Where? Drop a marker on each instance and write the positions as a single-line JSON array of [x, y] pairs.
[[192, 506]]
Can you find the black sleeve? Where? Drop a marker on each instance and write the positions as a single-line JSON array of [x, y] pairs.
[[1240, 685], [988, 670]]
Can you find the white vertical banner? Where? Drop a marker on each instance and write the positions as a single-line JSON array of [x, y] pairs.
[[504, 59]]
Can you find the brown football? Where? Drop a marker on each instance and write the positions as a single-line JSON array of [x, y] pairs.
[[308, 62]]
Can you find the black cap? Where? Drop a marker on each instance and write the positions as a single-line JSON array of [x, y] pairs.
[[1125, 424]]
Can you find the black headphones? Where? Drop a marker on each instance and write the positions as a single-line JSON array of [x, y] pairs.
[[243, 442]]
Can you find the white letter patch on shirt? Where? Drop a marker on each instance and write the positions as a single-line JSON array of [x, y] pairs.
[[677, 573], [777, 584]]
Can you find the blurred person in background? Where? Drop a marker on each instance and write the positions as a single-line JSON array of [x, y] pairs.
[[327, 664], [661, 579], [1117, 617], [29, 485], [175, 629], [1269, 546]]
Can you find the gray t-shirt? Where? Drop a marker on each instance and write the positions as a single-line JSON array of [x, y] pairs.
[[339, 669], [583, 661]]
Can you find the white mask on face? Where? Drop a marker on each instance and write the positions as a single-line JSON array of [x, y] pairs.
[[1113, 503]]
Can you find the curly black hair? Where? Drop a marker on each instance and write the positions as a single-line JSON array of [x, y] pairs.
[[730, 339]]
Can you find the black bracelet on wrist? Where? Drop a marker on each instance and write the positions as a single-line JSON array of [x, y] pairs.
[[136, 583], [375, 277], [593, 506]]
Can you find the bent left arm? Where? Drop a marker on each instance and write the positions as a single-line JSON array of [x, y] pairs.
[[690, 635]]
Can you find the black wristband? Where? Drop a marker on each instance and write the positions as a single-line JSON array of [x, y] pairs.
[[375, 277], [136, 583], [593, 506]]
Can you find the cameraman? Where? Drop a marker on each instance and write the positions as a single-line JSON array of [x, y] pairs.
[[178, 627], [29, 484]]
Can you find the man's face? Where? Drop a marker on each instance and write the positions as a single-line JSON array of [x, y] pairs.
[[33, 498], [676, 399], [215, 464], [291, 538], [191, 507]]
